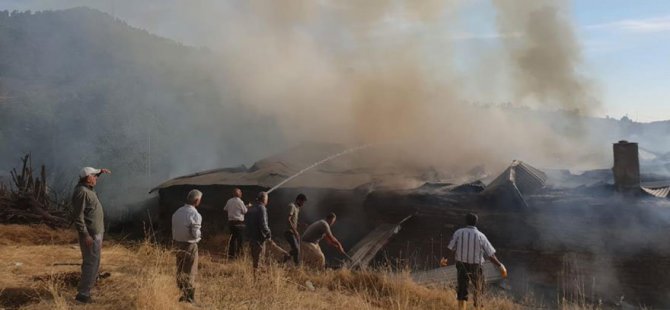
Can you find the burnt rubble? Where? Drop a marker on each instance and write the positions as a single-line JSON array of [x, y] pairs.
[[549, 227]]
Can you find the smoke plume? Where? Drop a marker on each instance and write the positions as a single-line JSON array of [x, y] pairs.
[[343, 71], [360, 72], [546, 56]]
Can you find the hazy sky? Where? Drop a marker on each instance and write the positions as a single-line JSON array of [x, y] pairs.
[[626, 44]]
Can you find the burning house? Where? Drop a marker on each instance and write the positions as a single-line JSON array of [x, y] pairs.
[[340, 185], [592, 235]]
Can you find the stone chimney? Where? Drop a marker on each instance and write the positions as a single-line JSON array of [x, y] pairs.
[[626, 166]]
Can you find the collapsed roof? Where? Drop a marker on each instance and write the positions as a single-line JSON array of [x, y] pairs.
[[524, 177], [348, 172], [517, 180]]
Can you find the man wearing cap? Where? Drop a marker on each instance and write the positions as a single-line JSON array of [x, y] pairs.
[[90, 223], [186, 223]]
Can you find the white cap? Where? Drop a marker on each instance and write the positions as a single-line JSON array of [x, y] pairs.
[[86, 171]]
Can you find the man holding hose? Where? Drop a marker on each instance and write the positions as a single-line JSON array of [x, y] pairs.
[[312, 256]]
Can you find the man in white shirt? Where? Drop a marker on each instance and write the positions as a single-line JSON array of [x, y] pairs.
[[236, 210], [471, 249], [186, 223]]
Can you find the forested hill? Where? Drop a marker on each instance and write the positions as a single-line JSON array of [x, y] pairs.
[[79, 87]]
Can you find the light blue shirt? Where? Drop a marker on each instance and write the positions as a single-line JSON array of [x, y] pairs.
[[186, 223]]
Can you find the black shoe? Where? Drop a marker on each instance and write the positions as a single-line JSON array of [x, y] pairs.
[[83, 299], [191, 297], [188, 297]]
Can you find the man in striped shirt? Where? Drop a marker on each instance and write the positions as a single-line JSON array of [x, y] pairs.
[[472, 248]]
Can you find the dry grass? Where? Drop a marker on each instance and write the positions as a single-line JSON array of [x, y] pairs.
[[13, 234], [142, 277]]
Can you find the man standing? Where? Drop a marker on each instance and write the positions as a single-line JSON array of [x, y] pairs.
[[236, 211], [90, 223], [292, 236], [258, 229], [312, 255], [472, 248], [186, 223]]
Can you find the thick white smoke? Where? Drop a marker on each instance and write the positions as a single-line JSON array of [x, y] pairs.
[[360, 72]]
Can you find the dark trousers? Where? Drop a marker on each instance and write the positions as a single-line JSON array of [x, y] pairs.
[[469, 273], [236, 243], [187, 268], [257, 251], [294, 243]]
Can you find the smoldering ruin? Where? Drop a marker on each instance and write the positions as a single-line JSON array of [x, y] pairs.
[[596, 235], [345, 73]]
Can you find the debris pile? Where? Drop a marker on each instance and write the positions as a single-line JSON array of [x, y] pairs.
[[27, 200]]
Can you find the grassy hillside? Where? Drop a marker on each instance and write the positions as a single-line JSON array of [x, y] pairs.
[[41, 271]]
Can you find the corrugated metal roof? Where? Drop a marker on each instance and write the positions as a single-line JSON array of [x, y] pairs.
[[445, 276], [271, 176], [366, 249], [658, 192], [344, 173], [524, 177], [658, 188]]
